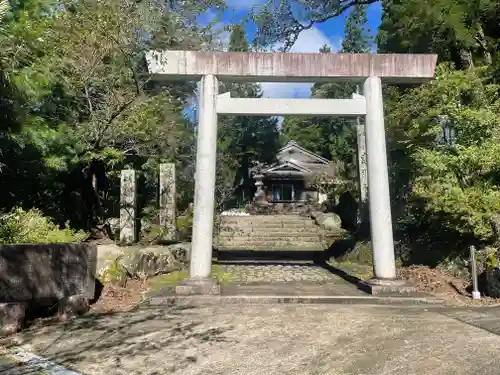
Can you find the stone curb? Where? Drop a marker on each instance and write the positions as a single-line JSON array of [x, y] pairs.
[[33, 362], [348, 300]]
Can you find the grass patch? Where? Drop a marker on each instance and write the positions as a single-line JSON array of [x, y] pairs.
[[219, 274], [174, 278], [361, 271], [169, 279]]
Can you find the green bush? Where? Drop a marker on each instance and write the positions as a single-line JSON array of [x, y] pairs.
[[22, 227]]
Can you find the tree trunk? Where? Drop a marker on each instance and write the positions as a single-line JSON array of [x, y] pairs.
[[481, 40]]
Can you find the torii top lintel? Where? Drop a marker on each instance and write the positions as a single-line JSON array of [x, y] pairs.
[[291, 67]]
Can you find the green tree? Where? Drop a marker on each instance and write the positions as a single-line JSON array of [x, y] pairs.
[[79, 87], [282, 21], [443, 136], [453, 181], [464, 32]]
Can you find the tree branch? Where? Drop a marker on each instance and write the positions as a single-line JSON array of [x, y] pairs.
[[292, 35]]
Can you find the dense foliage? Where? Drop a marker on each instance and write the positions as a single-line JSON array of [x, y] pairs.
[[25, 227], [77, 104], [444, 135]]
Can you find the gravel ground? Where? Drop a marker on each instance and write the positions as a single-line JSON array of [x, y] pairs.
[[276, 273]]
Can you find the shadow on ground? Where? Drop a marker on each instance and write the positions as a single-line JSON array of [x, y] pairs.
[[111, 337], [302, 258]]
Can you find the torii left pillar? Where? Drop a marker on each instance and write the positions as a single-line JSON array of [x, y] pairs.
[[200, 267]]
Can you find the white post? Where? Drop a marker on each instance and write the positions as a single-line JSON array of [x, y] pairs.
[[203, 221], [384, 264], [475, 288]]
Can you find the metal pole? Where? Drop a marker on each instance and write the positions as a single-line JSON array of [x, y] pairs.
[[475, 290]]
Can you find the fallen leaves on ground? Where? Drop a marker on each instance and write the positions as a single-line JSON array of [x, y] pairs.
[[120, 299], [441, 284]]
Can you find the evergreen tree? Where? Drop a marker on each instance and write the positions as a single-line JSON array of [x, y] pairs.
[[463, 32], [357, 37]]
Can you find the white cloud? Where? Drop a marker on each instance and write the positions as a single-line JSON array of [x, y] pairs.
[[241, 5], [310, 40]]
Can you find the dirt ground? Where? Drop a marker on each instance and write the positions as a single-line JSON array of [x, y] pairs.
[[123, 334], [256, 339]]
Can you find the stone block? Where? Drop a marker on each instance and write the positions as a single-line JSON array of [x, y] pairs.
[[47, 271], [328, 221], [156, 260], [11, 318], [73, 306], [388, 288], [198, 287]]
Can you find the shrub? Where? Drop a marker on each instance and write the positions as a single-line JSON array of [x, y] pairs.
[[22, 227]]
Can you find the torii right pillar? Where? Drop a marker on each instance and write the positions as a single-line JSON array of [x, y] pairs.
[[378, 182], [384, 267]]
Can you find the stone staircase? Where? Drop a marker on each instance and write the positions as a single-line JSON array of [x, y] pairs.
[[269, 233]]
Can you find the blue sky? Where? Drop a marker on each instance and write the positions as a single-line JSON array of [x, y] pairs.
[[330, 33]]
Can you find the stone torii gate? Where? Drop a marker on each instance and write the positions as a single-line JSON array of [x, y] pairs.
[[369, 69]]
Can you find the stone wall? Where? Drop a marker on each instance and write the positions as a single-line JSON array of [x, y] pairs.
[[35, 276], [45, 271]]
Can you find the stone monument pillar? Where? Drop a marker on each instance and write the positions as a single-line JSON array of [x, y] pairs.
[[362, 176], [128, 206], [167, 201]]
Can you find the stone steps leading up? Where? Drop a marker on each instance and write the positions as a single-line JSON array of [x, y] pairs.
[[269, 226], [275, 246], [303, 221], [268, 233], [250, 230], [269, 239]]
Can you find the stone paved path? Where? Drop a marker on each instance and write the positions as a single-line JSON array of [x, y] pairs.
[[270, 273], [271, 340]]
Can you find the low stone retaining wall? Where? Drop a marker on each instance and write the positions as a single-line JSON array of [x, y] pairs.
[[45, 273]]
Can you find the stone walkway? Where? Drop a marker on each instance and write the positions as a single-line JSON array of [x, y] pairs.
[[271, 273], [272, 340]]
